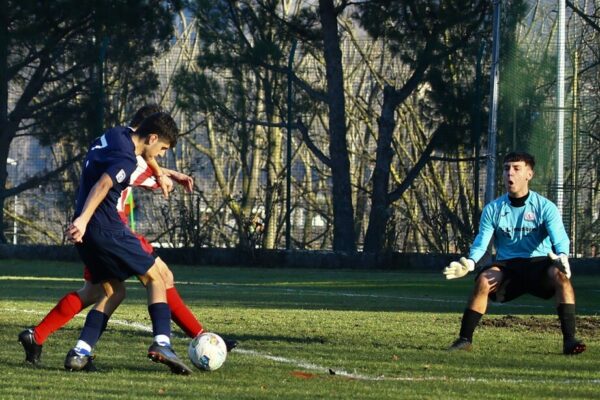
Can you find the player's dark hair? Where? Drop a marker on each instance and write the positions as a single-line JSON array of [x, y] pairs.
[[142, 113], [161, 124], [520, 156]]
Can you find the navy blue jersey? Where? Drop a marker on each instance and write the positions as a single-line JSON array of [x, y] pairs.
[[113, 154]]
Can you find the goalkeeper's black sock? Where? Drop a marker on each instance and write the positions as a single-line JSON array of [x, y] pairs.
[[468, 324], [566, 315]]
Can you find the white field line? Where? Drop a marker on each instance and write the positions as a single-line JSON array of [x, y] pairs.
[[331, 293], [351, 375]]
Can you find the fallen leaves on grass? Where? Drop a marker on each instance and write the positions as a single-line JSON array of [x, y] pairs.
[[303, 375]]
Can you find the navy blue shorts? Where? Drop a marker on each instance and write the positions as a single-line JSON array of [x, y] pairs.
[[113, 254], [521, 276]]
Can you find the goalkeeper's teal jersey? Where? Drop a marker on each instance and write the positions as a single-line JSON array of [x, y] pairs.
[[532, 230]]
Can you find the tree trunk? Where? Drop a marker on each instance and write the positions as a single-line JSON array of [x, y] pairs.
[[381, 175], [274, 168], [379, 211], [343, 214]]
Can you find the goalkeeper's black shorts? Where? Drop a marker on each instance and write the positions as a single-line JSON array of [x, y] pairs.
[[521, 276]]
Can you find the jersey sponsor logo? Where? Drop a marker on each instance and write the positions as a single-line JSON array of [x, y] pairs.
[[508, 231], [526, 229], [529, 216], [120, 176]]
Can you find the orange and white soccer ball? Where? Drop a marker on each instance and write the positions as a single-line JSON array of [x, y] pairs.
[[207, 351]]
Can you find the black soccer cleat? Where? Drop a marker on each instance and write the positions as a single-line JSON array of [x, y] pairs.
[[76, 362], [572, 347], [461, 343], [33, 351], [166, 355], [230, 344]]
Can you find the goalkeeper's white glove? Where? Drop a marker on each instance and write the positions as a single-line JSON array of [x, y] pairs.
[[561, 261], [458, 269]]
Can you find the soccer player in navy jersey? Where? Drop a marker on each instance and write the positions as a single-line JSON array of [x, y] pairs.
[[107, 246], [532, 250], [72, 303]]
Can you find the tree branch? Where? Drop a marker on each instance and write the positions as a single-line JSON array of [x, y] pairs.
[[33, 225], [202, 149], [452, 159], [39, 179], [302, 84], [416, 169], [583, 15], [311, 145]]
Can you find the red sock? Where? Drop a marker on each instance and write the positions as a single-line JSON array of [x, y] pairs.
[[181, 314], [66, 308]]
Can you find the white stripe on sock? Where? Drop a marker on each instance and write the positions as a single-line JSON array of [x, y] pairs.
[[162, 340]]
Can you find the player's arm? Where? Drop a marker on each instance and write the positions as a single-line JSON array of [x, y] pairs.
[[558, 238], [487, 226], [99, 191], [460, 268], [165, 183], [184, 180], [556, 229]]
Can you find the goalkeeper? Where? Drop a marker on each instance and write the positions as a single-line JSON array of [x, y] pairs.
[[531, 255]]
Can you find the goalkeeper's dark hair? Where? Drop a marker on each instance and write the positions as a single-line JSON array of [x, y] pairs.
[[515, 156], [142, 113], [161, 124]]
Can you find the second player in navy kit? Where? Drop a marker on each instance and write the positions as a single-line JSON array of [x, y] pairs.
[[532, 250]]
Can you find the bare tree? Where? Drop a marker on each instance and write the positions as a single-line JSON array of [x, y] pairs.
[[53, 58]]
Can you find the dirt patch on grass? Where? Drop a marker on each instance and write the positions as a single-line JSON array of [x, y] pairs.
[[586, 325]]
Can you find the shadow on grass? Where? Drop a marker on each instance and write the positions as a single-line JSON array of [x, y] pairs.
[[274, 338], [340, 291]]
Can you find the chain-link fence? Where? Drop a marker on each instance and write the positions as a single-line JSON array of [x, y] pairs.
[[239, 168], [529, 112]]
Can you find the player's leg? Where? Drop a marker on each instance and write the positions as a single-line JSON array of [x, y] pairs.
[[123, 255], [80, 357], [67, 307], [485, 284], [114, 294], [180, 312], [160, 314], [565, 300]]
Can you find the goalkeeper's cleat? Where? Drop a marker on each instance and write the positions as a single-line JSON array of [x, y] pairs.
[[572, 347], [165, 355], [230, 344], [78, 362], [33, 351], [461, 343]]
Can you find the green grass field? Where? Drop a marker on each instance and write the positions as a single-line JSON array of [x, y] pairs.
[[306, 334]]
